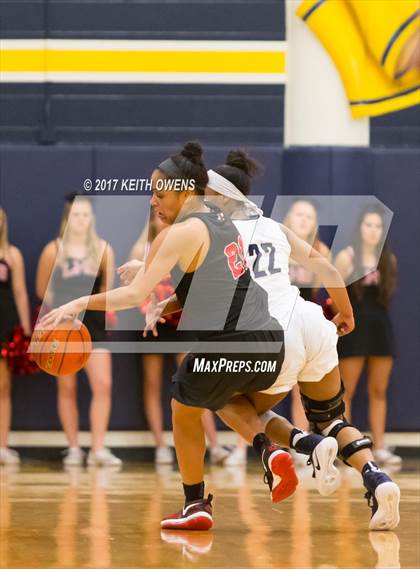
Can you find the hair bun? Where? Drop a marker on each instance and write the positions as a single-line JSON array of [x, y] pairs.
[[193, 151], [240, 159]]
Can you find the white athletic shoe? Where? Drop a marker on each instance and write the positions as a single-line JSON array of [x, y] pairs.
[[385, 506], [103, 457], [9, 456], [164, 455], [326, 475], [73, 456], [237, 457], [218, 455], [384, 457]]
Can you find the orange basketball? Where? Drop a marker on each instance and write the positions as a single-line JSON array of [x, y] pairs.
[[63, 350]]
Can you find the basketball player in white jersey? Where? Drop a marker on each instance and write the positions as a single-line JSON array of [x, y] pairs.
[[310, 339]]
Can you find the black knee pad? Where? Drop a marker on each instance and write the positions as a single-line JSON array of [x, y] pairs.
[[332, 411], [323, 411], [353, 447]]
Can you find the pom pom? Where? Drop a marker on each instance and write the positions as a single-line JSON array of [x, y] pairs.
[[15, 352], [163, 291]]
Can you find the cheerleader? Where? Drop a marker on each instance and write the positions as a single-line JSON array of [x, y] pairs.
[[14, 310], [80, 261], [372, 342], [153, 363], [302, 219]]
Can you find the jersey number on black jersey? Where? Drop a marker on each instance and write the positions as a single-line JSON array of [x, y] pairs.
[[236, 258]]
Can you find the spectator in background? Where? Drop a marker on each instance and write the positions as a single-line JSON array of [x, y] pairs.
[[302, 219], [371, 268], [75, 262], [14, 310], [153, 364]]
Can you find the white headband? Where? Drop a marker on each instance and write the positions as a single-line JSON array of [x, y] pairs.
[[223, 186]]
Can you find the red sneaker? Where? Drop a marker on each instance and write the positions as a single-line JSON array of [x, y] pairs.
[[280, 473], [196, 516]]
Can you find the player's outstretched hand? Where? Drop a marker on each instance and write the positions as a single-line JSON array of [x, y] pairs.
[[68, 311], [344, 323], [153, 316], [129, 270]]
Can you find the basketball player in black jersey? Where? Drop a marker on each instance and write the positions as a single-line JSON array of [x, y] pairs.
[[204, 254]]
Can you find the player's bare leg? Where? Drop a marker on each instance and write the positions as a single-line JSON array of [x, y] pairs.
[[240, 415], [190, 442], [190, 446], [325, 390], [321, 451]]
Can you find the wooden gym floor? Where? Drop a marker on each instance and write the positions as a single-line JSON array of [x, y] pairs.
[[107, 519]]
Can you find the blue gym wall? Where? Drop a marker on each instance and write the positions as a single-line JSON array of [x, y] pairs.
[[34, 180]]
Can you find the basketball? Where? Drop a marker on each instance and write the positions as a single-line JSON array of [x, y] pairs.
[[63, 350]]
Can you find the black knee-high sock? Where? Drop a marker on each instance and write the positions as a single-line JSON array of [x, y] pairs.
[[260, 442], [305, 443], [193, 492]]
